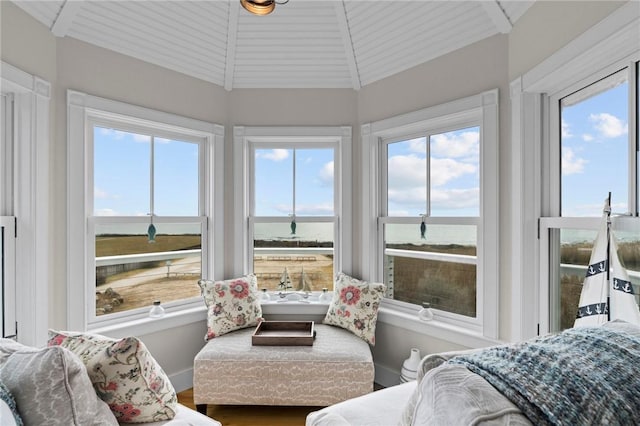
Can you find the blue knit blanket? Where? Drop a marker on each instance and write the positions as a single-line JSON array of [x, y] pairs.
[[582, 376]]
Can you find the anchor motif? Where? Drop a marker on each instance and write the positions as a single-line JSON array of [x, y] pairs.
[[627, 288], [591, 271], [615, 284], [602, 268], [588, 310], [598, 309]]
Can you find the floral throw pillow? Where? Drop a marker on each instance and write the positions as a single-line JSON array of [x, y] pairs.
[[355, 306], [124, 375], [231, 304]]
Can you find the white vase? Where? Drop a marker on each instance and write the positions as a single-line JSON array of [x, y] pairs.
[[410, 366]]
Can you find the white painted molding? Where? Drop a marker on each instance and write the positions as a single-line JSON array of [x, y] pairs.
[[81, 108], [386, 376], [232, 36], [243, 136], [609, 41], [31, 200], [67, 14], [605, 48], [345, 32], [478, 109], [497, 16], [182, 380]]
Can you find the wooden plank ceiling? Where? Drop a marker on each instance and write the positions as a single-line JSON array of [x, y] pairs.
[[302, 44]]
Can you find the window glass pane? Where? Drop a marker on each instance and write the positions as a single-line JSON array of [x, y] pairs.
[[132, 273], [407, 178], [443, 274], [310, 249], [314, 182], [121, 173], [273, 182], [175, 170], [455, 173], [575, 252], [595, 148]]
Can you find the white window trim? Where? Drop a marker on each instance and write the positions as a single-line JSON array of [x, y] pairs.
[[484, 106], [81, 109], [602, 48], [244, 136], [31, 96]]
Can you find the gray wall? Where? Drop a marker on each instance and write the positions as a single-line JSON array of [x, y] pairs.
[[70, 64]]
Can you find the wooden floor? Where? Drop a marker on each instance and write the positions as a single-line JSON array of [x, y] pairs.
[[251, 415]]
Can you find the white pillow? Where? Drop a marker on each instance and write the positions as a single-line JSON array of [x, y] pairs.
[[51, 387]]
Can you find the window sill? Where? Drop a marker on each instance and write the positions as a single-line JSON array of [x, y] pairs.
[[294, 308], [434, 328], [148, 325]]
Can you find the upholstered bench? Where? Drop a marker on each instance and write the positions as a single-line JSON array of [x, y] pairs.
[[230, 370]]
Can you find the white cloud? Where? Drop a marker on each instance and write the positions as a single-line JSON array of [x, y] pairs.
[[587, 137], [455, 198], [275, 154], [609, 126], [407, 171], [415, 199], [326, 174], [418, 145], [106, 212], [566, 133], [315, 209], [570, 163], [119, 134], [445, 169], [459, 145], [99, 193]]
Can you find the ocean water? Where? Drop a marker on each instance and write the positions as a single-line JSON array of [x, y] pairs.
[[321, 232]]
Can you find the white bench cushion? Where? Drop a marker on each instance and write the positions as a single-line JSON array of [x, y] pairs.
[[230, 370]]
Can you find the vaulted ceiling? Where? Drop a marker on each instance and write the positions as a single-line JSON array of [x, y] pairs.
[[302, 44]]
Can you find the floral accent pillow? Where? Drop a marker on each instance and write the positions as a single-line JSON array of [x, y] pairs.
[[232, 304], [355, 306], [124, 375]]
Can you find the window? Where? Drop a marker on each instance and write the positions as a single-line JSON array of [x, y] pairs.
[[24, 169], [429, 177], [143, 180], [7, 220], [434, 212], [296, 205], [151, 182], [593, 67], [597, 154]]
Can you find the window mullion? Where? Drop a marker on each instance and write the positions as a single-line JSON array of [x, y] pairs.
[[428, 176], [151, 174], [634, 142]]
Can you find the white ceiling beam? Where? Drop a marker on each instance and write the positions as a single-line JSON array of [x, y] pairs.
[[343, 24], [67, 14], [497, 15], [232, 37]]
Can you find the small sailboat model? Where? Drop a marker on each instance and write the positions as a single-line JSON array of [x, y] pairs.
[[607, 292], [303, 284], [285, 281]]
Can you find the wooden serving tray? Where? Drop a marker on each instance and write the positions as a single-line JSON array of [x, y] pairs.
[[283, 333]]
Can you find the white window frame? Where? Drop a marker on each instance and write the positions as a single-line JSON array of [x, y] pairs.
[[605, 48], [248, 138], [85, 112], [478, 110], [31, 98]]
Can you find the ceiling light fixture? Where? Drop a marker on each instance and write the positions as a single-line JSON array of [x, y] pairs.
[[260, 7]]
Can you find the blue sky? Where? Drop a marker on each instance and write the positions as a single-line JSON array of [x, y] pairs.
[[313, 181], [595, 153], [122, 175], [594, 162]]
